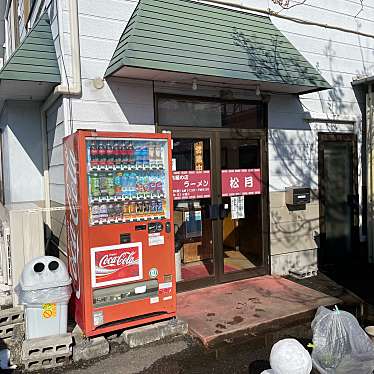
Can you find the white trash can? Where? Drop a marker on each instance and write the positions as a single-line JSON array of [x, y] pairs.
[[44, 288]]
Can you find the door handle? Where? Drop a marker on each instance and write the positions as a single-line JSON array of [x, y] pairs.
[[218, 211], [213, 212], [353, 201], [223, 213]]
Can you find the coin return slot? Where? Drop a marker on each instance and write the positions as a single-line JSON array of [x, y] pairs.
[[140, 289]]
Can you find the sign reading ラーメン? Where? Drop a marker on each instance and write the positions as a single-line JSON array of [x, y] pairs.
[[191, 184], [116, 264]]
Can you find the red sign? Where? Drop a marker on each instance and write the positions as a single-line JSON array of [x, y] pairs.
[[191, 184], [236, 182], [116, 264]]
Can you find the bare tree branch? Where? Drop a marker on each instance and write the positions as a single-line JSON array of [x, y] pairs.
[[362, 8], [285, 4]]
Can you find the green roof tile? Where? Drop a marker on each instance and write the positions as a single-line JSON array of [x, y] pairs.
[[202, 39], [35, 59]]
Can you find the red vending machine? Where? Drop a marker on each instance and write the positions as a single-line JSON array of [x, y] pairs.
[[120, 233]]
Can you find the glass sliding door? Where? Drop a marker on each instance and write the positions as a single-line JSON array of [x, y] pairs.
[[242, 203], [192, 202]]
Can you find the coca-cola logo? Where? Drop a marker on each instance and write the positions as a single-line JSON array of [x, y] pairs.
[[72, 217], [124, 259], [116, 264]]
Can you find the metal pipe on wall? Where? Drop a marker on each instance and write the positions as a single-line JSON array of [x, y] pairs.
[[73, 89], [370, 171]]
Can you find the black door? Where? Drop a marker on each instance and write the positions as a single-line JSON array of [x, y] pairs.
[[338, 188]]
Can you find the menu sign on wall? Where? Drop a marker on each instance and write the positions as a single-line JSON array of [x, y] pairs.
[[237, 182], [191, 184]]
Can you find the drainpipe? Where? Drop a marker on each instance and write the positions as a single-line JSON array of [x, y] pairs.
[[69, 89], [370, 158]]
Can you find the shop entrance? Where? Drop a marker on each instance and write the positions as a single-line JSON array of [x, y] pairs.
[[220, 187], [219, 205]]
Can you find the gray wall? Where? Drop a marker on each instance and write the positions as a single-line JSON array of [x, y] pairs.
[[22, 151]]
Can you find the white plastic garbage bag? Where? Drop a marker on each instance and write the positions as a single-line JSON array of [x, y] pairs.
[[341, 346], [288, 356], [4, 359], [41, 296]]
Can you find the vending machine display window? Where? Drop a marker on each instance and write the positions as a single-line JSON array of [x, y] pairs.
[[127, 180]]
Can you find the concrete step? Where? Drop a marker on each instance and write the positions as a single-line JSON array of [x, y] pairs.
[[156, 331], [88, 349]]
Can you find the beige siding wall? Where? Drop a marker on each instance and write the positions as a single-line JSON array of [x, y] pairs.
[[55, 135], [293, 231]]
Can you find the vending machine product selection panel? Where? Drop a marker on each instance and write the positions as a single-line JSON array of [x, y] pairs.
[[127, 180], [120, 229]]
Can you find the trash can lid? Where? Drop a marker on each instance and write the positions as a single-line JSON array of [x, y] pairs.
[[44, 272]]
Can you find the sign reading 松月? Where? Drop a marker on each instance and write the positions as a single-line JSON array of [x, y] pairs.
[[236, 182]]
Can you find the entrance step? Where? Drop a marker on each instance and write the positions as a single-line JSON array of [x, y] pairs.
[[240, 310], [156, 331]]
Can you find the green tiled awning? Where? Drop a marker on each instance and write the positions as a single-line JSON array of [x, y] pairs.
[[35, 59], [202, 40]]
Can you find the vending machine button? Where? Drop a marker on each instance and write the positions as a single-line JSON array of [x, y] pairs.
[[125, 238], [140, 227], [167, 227]]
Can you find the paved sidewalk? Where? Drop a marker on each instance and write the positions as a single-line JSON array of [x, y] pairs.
[[133, 361]]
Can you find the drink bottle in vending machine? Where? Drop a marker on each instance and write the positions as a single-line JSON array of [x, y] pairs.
[[119, 229]]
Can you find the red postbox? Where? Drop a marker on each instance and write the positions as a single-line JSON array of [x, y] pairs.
[[120, 232]]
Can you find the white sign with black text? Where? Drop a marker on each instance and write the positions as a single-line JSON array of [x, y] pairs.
[[237, 207]]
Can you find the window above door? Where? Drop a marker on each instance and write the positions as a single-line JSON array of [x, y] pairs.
[[206, 112]]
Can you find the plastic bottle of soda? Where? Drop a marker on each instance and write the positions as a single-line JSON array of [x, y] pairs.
[[110, 184], [125, 154], [125, 210], [95, 185], [158, 158], [118, 183], [122, 153], [103, 185], [95, 214], [146, 186], [94, 154], [117, 154], [103, 213], [118, 211], [101, 154], [151, 154], [111, 212], [145, 154], [137, 156], [109, 154], [125, 182], [132, 185], [131, 154], [160, 208]]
